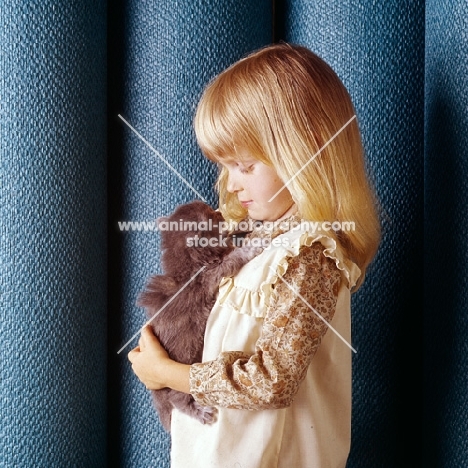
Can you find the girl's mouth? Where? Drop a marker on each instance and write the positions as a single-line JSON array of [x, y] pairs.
[[245, 204]]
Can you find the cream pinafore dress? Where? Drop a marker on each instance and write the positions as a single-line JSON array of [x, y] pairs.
[[314, 432]]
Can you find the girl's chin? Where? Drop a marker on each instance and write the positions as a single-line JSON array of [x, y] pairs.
[[268, 215], [259, 215]]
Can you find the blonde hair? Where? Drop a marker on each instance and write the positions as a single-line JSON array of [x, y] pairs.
[[282, 104]]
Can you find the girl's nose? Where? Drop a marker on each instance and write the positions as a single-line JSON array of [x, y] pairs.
[[232, 184]]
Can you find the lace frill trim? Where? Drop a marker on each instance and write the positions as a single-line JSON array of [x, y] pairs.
[[237, 293]]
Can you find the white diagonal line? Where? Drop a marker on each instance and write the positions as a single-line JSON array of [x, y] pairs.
[[316, 313], [161, 309], [312, 158], [158, 154]]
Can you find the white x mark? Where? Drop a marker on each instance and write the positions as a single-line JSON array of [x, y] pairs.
[[161, 309], [158, 154], [312, 158], [315, 312]]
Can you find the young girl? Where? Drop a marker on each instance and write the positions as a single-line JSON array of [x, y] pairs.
[[277, 356]]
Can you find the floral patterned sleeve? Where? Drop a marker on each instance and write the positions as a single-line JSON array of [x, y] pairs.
[[291, 335]]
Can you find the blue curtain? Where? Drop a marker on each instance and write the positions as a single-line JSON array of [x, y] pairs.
[[53, 233], [96, 108], [446, 223], [377, 48], [169, 52]]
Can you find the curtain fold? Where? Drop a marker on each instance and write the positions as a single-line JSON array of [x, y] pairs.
[[53, 233], [446, 224], [169, 53], [377, 48]]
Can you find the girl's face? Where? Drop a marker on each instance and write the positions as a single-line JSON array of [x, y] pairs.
[[255, 184]]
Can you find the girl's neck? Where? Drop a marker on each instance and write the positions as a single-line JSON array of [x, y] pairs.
[[290, 211]]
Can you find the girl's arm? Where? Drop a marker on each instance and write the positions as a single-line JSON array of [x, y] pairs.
[[291, 335]]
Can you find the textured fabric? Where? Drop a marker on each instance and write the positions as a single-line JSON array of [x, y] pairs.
[[377, 48], [312, 430], [52, 234], [164, 53], [52, 212], [446, 223]]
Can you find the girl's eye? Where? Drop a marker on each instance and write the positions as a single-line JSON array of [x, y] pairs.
[[245, 169]]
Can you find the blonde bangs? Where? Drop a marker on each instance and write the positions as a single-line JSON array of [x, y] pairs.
[[225, 119]]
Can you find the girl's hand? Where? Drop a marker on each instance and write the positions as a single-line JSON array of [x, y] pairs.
[[153, 366], [150, 360]]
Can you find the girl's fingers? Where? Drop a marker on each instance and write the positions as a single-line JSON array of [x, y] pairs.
[[134, 353], [141, 343], [146, 337], [147, 333]]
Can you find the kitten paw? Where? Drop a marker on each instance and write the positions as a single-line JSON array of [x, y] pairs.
[[256, 250], [251, 251], [206, 414]]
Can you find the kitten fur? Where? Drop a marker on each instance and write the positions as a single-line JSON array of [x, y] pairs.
[[180, 325]]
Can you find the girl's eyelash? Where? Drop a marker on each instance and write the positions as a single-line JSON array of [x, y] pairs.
[[245, 170]]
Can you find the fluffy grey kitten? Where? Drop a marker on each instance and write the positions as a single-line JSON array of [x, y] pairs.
[[180, 324]]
